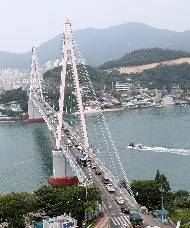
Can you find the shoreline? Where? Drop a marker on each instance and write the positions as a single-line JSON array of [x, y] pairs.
[[99, 110], [91, 111]]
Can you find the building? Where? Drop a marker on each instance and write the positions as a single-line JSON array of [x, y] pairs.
[[63, 221], [123, 86], [168, 100], [2, 116], [161, 215]]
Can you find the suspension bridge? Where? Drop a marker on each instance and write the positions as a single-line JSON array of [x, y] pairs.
[[66, 168]]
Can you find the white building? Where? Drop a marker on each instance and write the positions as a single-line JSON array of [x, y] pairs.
[[168, 100], [60, 222], [123, 86]]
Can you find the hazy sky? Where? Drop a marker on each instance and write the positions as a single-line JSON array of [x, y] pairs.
[[27, 23]]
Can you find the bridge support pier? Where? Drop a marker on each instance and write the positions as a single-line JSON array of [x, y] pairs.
[[62, 173], [33, 113]]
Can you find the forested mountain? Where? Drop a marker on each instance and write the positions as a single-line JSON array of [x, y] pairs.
[[101, 45], [145, 56]]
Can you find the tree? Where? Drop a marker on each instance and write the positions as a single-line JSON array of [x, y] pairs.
[[181, 199], [15, 207], [18, 95], [56, 201], [148, 192]]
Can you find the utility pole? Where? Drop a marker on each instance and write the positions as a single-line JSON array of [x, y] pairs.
[[162, 198], [85, 218]]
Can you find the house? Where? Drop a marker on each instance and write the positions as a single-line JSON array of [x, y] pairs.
[[161, 215], [168, 100], [2, 116], [63, 221]]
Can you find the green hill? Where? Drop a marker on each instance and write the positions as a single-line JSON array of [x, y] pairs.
[[145, 56]]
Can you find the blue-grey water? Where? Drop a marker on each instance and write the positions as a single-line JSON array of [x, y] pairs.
[[25, 149]]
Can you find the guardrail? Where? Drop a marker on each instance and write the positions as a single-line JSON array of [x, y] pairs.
[[76, 169]]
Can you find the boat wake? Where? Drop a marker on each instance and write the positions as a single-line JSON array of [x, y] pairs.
[[162, 150]]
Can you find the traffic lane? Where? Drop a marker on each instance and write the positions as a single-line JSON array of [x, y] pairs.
[[109, 198], [110, 202]]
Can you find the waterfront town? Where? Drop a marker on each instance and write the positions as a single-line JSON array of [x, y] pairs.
[[129, 94]]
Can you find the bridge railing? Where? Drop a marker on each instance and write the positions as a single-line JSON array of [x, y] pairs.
[[72, 161]]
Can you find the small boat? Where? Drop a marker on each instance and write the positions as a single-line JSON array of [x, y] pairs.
[[135, 146], [132, 145], [183, 105]]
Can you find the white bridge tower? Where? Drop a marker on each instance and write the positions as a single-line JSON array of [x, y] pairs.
[[35, 90], [60, 167]]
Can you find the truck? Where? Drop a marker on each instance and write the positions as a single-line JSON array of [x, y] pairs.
[[81, 160], [135, 219]]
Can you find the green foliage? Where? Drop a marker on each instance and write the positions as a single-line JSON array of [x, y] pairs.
[[18, 95], [145, 56], [58, 200], [181, 214], [54, 201], [164, 75], [15, 206], [148, 192]]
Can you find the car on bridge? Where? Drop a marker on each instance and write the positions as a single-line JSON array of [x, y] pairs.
[[110, 187], [93, 165], [105, 180], [69, 143], [81, 160], [119, 200], [79, 147], [76, 143], [98, 172]]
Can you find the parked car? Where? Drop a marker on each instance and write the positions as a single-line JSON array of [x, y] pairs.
[[119, 200], [110, 187], [125, 209]]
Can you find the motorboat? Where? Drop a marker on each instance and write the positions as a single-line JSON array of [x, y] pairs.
[[183, 105], [136, 146], [131, 145]]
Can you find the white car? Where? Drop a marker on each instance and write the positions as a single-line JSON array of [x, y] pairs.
[[93, 166], [110, 187], [79, 147], [119, 200]]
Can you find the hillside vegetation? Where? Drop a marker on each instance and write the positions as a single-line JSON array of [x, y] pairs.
[[155, 78], [164, 75], [145, 56]]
